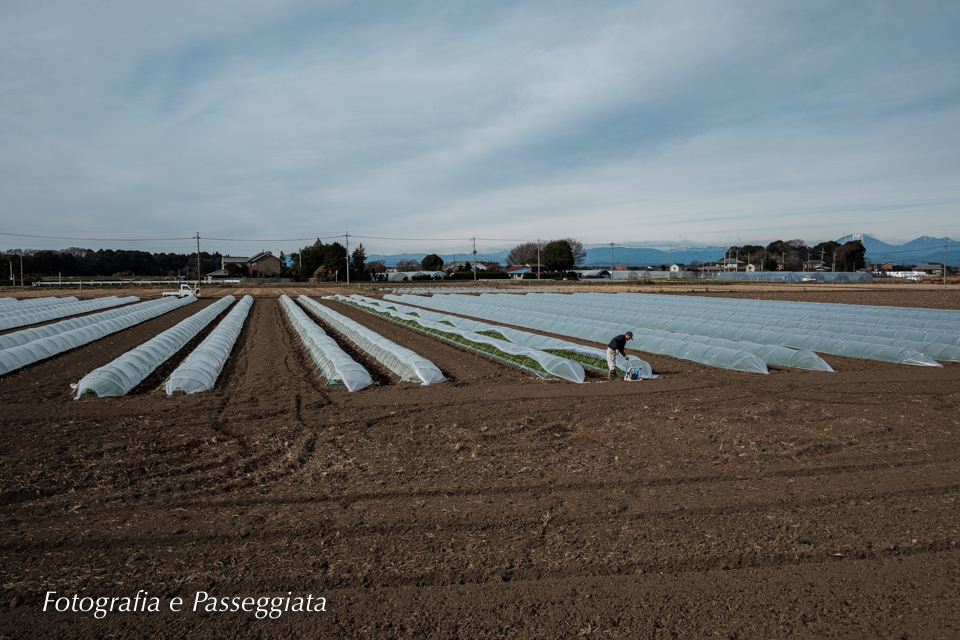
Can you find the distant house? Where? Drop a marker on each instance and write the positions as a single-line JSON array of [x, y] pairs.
[[814, 265], [517, 271], [678, 267], [932, 269], [225, 260], [730, 264], [261, 265], [264, 265]]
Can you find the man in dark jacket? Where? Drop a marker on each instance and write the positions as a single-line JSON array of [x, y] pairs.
[[617, 345]]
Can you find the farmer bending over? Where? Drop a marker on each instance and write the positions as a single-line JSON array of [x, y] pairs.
[[616, 346]]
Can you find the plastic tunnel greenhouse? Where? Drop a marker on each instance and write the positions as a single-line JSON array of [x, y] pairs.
[[127, 371], [648, 316], [794, 276], [598, 331], [551, 364], [20, 356], [522, 338], [334, 363], [43, 314], [10, 304], [402, 361], [24, 336], [199, 372], [790, 310], [909, 339]]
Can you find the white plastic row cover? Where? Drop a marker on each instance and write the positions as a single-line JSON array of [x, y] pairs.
[[7, 304], [600, 331], [402, 361], [516, 336], [124, 373], [20, 356], [24, 336], [199, 372], [333, 362], [36, 304], [603, 312], [615, 308], [43, 314], [552, 364]]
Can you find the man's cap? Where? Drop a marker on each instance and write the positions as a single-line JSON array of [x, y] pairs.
[[629, 334]]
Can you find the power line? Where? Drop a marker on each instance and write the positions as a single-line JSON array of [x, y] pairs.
[[26, 235], [413, 239], [273, 239], [930, 248]]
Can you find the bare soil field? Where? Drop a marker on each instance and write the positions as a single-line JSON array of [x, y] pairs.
[[706, 503]]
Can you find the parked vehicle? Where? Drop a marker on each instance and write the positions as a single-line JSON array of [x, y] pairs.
[[185, 290]]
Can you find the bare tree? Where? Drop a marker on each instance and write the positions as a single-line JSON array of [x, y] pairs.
[[409, 265], [525, 253], [579, 253]]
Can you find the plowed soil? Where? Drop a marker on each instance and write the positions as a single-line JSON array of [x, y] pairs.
[[707, 503]]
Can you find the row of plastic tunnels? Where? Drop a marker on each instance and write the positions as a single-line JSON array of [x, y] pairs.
[[737, 334]]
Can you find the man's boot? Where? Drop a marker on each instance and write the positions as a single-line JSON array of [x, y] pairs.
[[611, 375]]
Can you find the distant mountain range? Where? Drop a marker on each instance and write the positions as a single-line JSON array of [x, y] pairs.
[[922, 249]]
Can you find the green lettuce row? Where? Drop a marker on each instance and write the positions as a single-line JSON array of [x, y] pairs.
[[595, 363], [491, 334], [521, 361]]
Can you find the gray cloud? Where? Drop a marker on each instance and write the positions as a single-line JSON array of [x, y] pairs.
[[607, 121]]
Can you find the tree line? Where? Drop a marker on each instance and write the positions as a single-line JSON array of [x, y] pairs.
[[791, 255], [77, 262], [328, 262]]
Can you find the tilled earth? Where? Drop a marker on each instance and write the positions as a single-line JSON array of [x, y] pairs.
[[707, 503]]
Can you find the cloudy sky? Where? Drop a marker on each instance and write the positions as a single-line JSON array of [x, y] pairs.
[[633, 122]]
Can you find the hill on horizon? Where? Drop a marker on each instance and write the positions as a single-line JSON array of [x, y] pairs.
[[922, 249]]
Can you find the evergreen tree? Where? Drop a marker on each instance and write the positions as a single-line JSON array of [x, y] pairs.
[[358, 261], [557, 256], [432, 262], [335, 260], [850, 256]]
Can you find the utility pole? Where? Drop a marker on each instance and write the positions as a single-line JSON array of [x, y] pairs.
[[198, 258], [21, 269], [347, 240], [944, 263], [474, 258], [611, 259], [671, 255], [538, 259]]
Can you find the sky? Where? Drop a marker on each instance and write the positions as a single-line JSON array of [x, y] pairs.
[[421, 125]]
